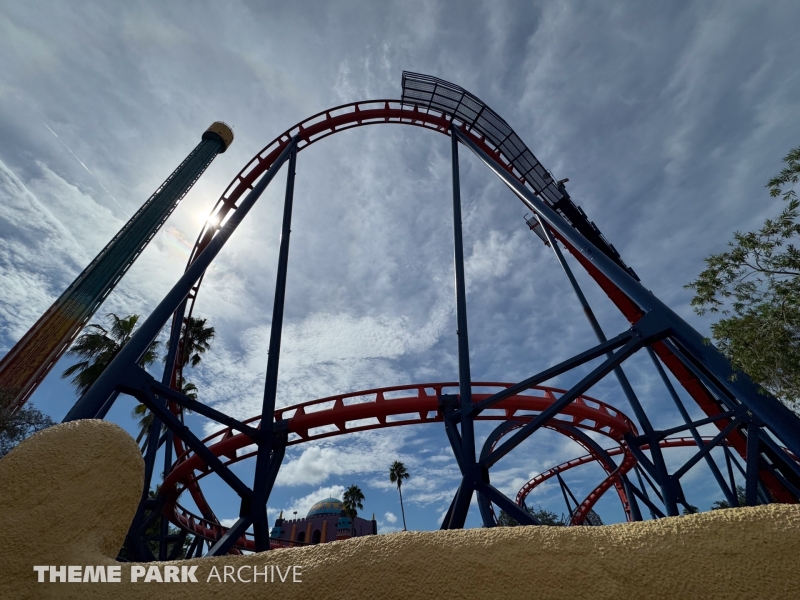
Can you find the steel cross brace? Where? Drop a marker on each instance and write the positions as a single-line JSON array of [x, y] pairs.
[[506, 426], [728, 492], [587, 382], [674, 485], [554, 371], [144, 388], [643, 332], [138, 384], [487, 516], [627, 389]]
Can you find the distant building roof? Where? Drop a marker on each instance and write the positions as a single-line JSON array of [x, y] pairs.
[[329, 506]]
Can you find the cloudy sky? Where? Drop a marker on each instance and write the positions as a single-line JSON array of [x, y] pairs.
[[668, 119]]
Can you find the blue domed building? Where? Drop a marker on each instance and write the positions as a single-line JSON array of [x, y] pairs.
[[325, 522]]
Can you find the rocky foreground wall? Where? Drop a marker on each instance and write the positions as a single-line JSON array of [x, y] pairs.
[[67, 496]]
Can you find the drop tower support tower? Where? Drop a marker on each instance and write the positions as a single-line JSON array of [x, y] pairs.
[[31, 359]]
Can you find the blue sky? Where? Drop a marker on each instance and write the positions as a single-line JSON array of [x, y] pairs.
[[668, 119]]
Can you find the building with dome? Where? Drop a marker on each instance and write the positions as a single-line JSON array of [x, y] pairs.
[[325, 522]]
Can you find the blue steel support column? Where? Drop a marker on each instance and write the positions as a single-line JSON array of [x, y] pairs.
[[461, 506], [136, 542], [166, 379], [262, 484], [730, 496], [668, 487], [137, 531], [752, 460]]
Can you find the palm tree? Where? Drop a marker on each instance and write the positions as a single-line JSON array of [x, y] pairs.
[[352, 502], [197, 339], [98, 347], [189, 390], [397, 472]]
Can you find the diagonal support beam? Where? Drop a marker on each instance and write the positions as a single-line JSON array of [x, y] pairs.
[[146, 397], [587, 382], [664, 433], [558, 369], [200, 408], [627, 388], [655, 512], [226, 542], [728, 492], [514, 510], [720, 437]]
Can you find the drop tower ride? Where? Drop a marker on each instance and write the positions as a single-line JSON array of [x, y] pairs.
[[35, 354]]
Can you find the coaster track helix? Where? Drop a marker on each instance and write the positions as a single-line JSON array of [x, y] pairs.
[[750, 425]]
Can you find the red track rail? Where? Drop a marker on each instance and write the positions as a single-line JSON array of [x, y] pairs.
[[613, 479], [375, 112], [377, 409], [613, 476]]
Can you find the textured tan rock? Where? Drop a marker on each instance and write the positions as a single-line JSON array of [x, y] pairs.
[[68, 495]]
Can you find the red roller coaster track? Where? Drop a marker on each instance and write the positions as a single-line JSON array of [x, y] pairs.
[[392, 407], [376, 112]]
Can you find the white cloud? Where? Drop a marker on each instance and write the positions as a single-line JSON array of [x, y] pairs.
[[38, 254], [321, 355], [491, 258], [313, 466], [304, 504], [357, 453], [390, 517], [384, 528]]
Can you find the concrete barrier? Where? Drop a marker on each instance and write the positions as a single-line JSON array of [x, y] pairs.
[[67, 496]]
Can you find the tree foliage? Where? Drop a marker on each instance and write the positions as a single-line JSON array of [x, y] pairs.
[[197, 339], [398, 472], [741, 496], [541, 514], [755, 287], [98, 346], [353, 501], [16, 427]]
